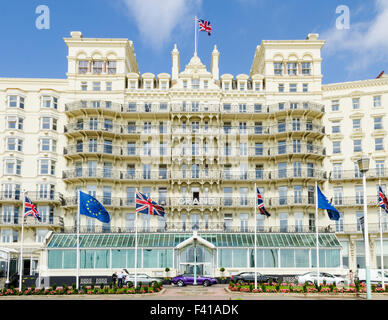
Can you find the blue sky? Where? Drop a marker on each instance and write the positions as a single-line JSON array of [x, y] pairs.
[[360, 52]]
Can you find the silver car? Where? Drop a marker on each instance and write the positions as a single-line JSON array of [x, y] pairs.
[[141, 277]]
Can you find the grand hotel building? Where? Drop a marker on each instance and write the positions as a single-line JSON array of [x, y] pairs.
[[197, 142]]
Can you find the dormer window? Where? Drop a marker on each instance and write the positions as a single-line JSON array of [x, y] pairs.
[[112, 67], [306, 68], [278, 68], [184, 84], [83, 66], [163, 85], [242, 86], [148, 85], [292, 68], [226, 86], [195, 84], [97, 66], [49, 102], [15, 101], [133, 85], [257, 86], [206, 84]]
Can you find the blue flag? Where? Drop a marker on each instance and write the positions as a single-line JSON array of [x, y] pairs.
[[91, 207], [323, 203]]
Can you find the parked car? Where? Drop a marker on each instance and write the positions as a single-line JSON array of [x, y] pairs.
[[188, 278], [375, 276], [141, 277], [311, 277], [250, 276]]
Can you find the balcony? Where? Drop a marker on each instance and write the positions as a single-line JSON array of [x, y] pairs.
[[15, 221], [195, 108], [358, 201], [373, 228], [356, 175], [34, 196], [287, 150], [93, 148], [93, 105]]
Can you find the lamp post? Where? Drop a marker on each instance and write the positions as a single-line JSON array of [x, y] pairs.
[[195, 256], [363, 166]]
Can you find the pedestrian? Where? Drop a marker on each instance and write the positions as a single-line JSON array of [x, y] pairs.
[[351, 276], [120, 279], [114, 278]]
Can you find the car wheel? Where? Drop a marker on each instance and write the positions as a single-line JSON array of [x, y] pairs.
[[180, 283], [206, 283]]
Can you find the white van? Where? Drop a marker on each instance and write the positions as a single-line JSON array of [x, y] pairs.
[[375, 276]]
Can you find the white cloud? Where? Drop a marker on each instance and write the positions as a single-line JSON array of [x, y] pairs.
[[158, 19], [366, 41]]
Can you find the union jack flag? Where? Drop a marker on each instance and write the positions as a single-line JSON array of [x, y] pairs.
[[30, 209], [144, 204], [260, 204], [205, 26], [383, 201]]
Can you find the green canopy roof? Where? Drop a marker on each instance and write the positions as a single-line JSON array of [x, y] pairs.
[[171, 240]]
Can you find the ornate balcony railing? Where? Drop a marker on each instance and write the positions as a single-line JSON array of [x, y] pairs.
[[11, 220], [34, 196], [356, 175]]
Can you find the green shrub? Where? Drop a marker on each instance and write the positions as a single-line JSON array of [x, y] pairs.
[[222, 269], [102, 286], [54, 286], [373, 287]]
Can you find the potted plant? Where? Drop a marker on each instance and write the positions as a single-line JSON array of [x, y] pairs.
[[167, 279], [222, 278]]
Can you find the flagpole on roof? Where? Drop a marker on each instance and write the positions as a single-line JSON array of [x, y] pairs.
[[255, 253], [195, 35], [316, 230], [21, 243], [381, 244]]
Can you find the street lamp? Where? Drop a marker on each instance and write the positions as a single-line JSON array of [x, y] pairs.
[[195, 238], [363, 166]]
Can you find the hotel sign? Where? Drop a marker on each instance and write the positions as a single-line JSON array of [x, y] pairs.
[[195, 201]]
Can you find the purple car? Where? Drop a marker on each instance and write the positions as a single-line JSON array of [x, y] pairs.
[[188, 278]]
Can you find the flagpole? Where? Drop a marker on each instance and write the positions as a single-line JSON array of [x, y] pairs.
[[381, 245], [195, 35], [78, 253], [316, 229], [135, 243], [21, 243], [255, 253]]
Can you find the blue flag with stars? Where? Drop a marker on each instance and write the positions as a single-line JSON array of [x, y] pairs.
[[91, 207]]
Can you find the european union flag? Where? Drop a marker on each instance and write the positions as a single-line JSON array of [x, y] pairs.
[[323, 203], [91, 207]]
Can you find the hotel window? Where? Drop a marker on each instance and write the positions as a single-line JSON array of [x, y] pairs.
[[195, 107], [47, 166], [293, 87], [357, 146], [310, 194], [356, 103], [14, 122], [358, 190], [310, 170], [243, 128], [131, 107], [283, 219], [6, 235], [337, 170], [195, 127], [163, 106], [227, 127], [163, 148], [96, 85], [296, 146], [278, 68], [338, 192], [227, 107], [146, 148], [257, 86], [226, 86], [281, 87], [108, 147], [97, 67], [292, 68], [131, 148], [380, 164], [108, 86], [379, 144], [339, 224], [195, 83], [377, 101], [359, 214], [130, 222], [282, 148], [243, 196], [244, 222], [49, 102], [146, 171], [48, 123], [243, 149], [14, 144], [83, 66], [195, 148], [258, 108], [297, 168], [205, 84], [147, 127], [195, 171], [112, 67], [258, 148], [259, 170], [133, 85], [48, 145], [306, 68], [148, 85], [282, 170], [282, 191], [378, 123], [243, 171], [227, 149], [281, 126], [228, 199], [242, 86], [93, 124], [258, 127], [298, 220], [16, 102], [293, 106], [357, 124], [184, 84], [242, 108], [84, 86], [162, 127], [281, 106], [336, 128], [335, 105], [163, 85], [305, 87], [108, 125], [107, 195], [295, 124], [336, 146]]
